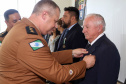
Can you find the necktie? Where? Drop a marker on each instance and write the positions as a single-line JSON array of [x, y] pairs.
[[65, 33], [87, 46], [62, 37]]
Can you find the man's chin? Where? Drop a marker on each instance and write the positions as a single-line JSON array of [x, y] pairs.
[[86, 37]]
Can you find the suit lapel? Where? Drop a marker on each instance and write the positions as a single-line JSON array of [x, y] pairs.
[[72, 30], [60, 44], [68, 35], [96, 44]]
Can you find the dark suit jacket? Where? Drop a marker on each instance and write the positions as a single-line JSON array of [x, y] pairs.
[[74, 39], [107, 63]]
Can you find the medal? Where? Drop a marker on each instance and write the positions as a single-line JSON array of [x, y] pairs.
[[64, 43], [64, 46]]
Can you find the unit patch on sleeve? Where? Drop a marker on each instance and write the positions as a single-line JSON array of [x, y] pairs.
[[35, 45], [31, 30], [70, 72], [0, 43]]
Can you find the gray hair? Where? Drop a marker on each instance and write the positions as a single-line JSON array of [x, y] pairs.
[[99, 20], [45, 5]]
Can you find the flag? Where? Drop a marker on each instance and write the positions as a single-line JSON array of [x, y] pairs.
[[35, 45]]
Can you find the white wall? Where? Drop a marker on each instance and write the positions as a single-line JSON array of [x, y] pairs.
[[24, 9], [64, 3], [115, 16]]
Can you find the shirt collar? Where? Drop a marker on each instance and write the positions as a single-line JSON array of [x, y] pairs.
[[34, 25], [71, 26], [96, 39]]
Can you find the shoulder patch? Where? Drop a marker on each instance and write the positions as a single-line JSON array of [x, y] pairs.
[[3, 34], [70, 72], [37, 44], [31, 30], [0, 43]]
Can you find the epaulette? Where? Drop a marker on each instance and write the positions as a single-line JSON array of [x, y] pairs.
[[31, 30], [3, 34]]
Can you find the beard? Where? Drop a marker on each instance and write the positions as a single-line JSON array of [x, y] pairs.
[[66, 25]]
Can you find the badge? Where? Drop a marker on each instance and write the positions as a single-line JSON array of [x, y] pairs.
[[71, 72], [35, 45], [64, 43]]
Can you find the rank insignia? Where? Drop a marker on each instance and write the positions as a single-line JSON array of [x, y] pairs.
[[31, 30], [3, 34]]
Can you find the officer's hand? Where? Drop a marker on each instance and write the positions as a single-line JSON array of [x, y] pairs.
[[90, 61], [79, 52]]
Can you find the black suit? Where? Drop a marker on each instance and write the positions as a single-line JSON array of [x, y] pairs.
[[107, 63], [74, 39]]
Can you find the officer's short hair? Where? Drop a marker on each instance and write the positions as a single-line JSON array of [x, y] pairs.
[[9, 12], [73, 12], [47, 5]]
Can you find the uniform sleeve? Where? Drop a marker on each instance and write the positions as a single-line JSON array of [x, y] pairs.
[[1, 39], [63, 57], [40, 61]]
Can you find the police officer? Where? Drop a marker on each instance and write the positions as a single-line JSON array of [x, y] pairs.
[[11, 17], [25, 57]]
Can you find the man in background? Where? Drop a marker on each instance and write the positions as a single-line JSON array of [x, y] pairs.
[[72, 37], [107, 63], [11, 16]]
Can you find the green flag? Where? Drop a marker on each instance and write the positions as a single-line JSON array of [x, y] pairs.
[[35, 45]]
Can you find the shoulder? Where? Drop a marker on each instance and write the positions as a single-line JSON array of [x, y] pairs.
[[31, 30], [3, 34], [107, 45], [78, 26]]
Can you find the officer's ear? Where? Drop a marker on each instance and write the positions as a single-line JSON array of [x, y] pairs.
[[6, 22], [44, 15]]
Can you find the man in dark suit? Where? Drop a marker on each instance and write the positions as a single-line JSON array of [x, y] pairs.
[[107, 63], [74, 37]]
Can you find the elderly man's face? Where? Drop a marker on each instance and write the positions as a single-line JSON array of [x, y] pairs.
[[90, 30]]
